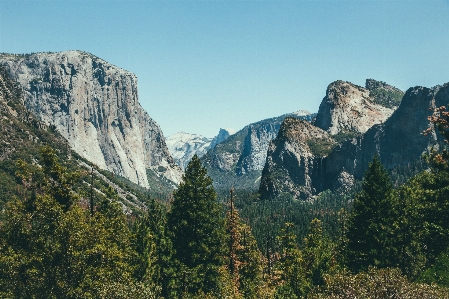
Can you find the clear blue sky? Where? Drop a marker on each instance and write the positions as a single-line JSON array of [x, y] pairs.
[[203, 65]]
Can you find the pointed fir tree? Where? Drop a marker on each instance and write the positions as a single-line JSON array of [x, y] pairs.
[[318, 254], [290, 266], [197, 231], [245, 261], [369, 227], [234, 240]]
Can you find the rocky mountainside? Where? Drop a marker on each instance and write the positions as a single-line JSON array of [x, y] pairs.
[[22, 135], [397, 140], [238, 161], [348, 108], [291, 161], [95, 106], [183, 146]]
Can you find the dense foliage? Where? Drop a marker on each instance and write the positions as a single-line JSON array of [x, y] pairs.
[[70, 231], [387, 98]]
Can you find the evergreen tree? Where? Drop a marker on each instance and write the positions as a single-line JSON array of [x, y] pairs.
[[154, 249], [53, 248], [197, 231], [245, 261], [291, 265], [368, 234], [318, 254], [234, 239]]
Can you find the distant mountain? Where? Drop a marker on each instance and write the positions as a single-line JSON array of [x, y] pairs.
[[183, 146], [95, 106], [223, 134], [238, 161], [300, 165]]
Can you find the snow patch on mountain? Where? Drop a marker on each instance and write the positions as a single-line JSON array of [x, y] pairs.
[[183, 146]]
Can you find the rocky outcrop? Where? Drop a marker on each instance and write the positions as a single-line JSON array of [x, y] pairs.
[[383, 94], [238, 161], [398, 141], [291, 162], [348, 108], [95, 106], [223, 134]]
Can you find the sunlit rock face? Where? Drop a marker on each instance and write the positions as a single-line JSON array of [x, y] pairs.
[[299, 166], [95, 105], [238, 161], [349, 108]]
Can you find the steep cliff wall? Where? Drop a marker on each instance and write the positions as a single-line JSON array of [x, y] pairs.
[[291, 163], [398, 141], [238, 161], [95, 106]]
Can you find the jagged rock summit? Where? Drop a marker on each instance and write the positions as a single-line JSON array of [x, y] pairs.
[[348, 108], [95, 106], [291, 159], [223, 134], [296, 171]]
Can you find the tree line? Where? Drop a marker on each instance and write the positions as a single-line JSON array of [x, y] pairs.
[[388, 241]]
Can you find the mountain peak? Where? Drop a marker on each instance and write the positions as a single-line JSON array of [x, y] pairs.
[[349, 108]]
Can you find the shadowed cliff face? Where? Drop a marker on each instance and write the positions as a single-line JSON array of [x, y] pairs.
[[95, 106], [291, 162], [238, 161], [398, 141], [293, 168]]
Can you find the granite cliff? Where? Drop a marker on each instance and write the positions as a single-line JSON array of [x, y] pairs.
[[95, 106], [291, 162], [397, 140], [238, 161], [22, 136], [348, 108]]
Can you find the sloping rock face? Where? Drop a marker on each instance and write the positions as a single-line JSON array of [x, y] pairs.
[[238, 161], [348, 108], [95, 106], [291, 165], [398, 141]]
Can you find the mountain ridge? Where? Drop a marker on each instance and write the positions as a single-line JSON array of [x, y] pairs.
[[397, 141]]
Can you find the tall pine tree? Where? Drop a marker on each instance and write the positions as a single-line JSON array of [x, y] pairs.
[[197, 231], [369, 223]]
